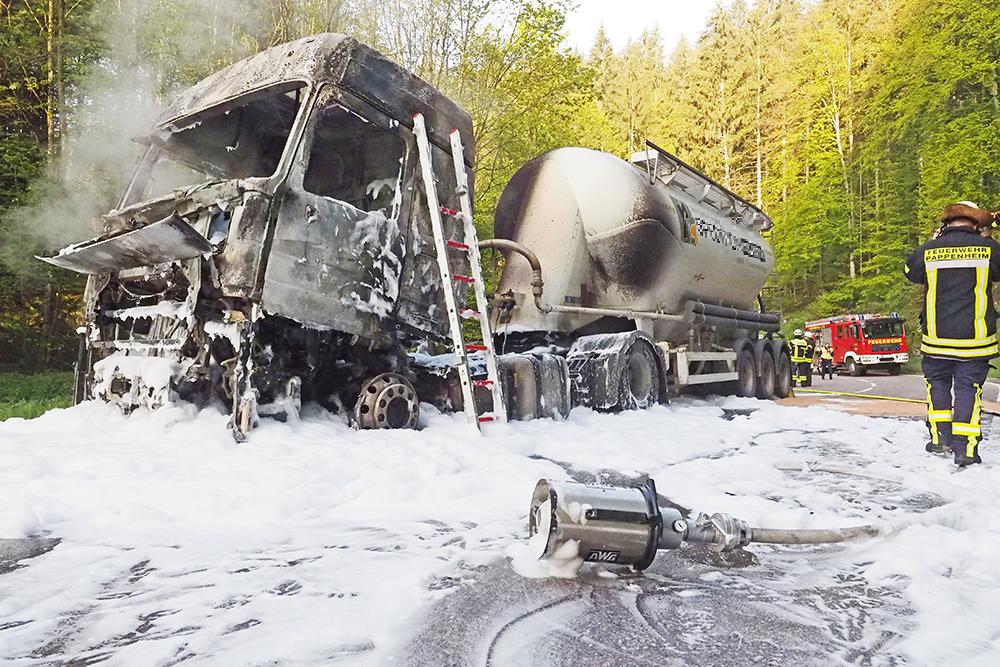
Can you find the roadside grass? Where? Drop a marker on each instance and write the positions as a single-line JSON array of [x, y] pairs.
[[29, 396]]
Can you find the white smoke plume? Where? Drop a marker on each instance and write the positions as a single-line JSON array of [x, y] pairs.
[[154, 48]]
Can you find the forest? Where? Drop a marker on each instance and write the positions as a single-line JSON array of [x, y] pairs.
[[851, 122]]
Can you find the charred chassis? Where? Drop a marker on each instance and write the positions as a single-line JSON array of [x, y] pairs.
[[285, 253]]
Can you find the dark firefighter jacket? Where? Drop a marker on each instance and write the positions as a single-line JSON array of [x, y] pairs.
[[800, 350], [958, 317]]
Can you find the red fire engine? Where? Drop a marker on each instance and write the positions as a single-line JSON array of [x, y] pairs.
[[862, 342]]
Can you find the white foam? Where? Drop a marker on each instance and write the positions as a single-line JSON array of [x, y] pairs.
[[327, 537]]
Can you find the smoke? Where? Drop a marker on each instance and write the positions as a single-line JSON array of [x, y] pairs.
[[152, 49]]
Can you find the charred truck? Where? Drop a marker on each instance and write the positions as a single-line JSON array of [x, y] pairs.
[[277, 244]]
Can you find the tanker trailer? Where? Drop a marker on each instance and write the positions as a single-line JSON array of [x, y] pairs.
[[646, 274]]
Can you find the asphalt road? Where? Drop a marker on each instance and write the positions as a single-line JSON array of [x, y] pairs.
[[900, 386]]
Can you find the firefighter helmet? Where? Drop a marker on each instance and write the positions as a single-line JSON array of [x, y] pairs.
[[966, 210], [797, 332]]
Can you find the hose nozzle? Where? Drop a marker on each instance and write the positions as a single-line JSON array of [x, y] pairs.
[[626, 526]]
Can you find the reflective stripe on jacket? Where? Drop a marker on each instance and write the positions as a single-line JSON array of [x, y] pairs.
[[958, 317], [800, 350]]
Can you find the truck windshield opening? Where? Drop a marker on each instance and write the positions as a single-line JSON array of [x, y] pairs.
[[243, 139]]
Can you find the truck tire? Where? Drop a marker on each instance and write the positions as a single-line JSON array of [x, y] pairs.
[[746, 369], [640, 377], [617, 371], [534, 386], [894, 369], [765, 369], [782, 373], [853, 369]]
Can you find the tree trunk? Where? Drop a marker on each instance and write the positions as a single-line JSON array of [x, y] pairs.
[[60, 78], [878, 204], [757, 133], [50, 88], [49, 314]]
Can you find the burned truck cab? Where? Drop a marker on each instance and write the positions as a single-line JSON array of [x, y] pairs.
[[274, 244]]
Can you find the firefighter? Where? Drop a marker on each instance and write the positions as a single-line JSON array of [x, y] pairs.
[[801, 353], [826, 361], [959, 325]]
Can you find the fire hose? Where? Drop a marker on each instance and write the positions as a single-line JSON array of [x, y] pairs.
[[626, 526]]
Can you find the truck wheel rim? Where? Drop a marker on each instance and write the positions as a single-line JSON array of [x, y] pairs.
[[639, 377], [387, 401]]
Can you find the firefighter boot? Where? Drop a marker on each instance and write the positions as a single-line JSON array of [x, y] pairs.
[[939, 448], [939, 427], [962, 450]]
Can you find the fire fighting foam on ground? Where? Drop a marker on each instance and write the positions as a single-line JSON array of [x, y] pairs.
[[314, 541]]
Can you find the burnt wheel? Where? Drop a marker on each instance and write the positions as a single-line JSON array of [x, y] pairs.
[[387, 401], [746, 369], [639, 386]]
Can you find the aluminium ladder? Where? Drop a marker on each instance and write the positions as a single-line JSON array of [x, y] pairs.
[[444, 245]]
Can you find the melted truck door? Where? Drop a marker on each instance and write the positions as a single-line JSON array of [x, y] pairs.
[[337, 251]]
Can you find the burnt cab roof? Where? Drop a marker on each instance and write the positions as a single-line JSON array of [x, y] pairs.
[[341, 60]]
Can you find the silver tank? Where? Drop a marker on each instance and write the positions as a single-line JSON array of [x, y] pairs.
[[648, 236]]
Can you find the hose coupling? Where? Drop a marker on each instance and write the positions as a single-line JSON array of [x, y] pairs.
[[723, 532]]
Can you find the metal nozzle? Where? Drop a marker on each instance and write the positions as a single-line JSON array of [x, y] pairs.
[[615, 525], [625, 526]]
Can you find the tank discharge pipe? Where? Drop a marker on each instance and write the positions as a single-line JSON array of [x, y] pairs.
[[538, 286], [626, 526]]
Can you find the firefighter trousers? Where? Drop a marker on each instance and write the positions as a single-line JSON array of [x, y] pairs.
[[955, 422], [803, 373]]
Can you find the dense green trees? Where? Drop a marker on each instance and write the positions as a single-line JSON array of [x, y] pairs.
[[850, 121], [45, 50]]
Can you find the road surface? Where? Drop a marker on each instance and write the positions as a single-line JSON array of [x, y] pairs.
[[909, 392], [901, 386]]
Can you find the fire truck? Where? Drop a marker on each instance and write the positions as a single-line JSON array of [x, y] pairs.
[[863, 342]]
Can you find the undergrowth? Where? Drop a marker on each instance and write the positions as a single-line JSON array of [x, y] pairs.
[[29, 396]]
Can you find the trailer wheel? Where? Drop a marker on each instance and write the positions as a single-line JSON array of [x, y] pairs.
[[640, 377], [746, 369], [766, 377], [387, 401], [782, 374], [853, 369]]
